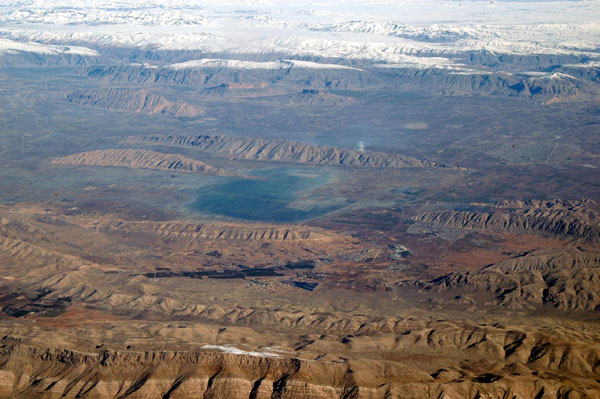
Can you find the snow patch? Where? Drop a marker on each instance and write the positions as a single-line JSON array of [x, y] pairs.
[[235, 351], [318, 65], [411, 61], [220, 63], [269, 65], [14, 47]]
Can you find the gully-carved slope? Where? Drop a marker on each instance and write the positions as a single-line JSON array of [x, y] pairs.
[[279, 150], [131, 100], [144, 159], [576, 219], [564, 279]]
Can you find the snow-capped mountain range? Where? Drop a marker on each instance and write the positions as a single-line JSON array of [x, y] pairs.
[[382, 31], [517, 47]]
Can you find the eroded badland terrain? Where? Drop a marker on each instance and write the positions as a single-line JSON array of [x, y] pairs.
[[182, 224]]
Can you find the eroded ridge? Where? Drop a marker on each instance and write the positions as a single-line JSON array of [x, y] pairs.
[[132, 100], [177, 230], [280, 150], [144, 159], [575, 219]]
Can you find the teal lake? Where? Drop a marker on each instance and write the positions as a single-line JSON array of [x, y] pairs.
[[274, 199]]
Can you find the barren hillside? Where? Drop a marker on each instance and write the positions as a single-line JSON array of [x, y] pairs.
[[280, 150], [132, 100], [576, 219], [144, 159], [564, 279]]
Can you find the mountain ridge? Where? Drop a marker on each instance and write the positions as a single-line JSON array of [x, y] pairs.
[[132, 100], [144, 159], [281, 150]]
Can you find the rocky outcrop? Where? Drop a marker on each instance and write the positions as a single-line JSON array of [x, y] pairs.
[[575, 219], [565, 279], [317, 97], [143, 159], [131, 100], [280, 150]]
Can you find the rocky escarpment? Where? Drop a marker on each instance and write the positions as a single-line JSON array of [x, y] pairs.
[[131, 100], [279, 150], [540, 86], [182, 231], [207, 73], [576, 219], [30, 371], [144, 159], [549, 83], [33, 372], [565, 279]]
